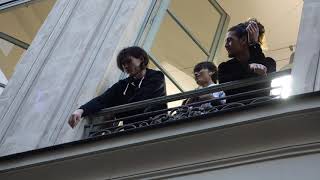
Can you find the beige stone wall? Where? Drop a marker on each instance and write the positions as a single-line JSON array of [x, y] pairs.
[[306, 69]]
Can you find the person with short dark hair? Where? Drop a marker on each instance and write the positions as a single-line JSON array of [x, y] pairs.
[[205, 74], [142, 84], [243, 43]]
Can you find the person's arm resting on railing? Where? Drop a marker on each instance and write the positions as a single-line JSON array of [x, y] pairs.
[[107, 99]]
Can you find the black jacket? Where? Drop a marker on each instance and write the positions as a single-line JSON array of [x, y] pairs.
[[130, 90], [233, 70]]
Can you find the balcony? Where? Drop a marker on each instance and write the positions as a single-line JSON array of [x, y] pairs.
[[260, 135], [105, 124]]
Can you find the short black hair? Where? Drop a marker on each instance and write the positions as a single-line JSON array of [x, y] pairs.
[[134, 51], [207, 65]]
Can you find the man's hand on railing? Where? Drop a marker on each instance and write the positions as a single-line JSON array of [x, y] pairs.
[[75, 118]]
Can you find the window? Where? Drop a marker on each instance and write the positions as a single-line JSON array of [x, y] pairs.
[[183, 33], [20, 21], [281, 20]]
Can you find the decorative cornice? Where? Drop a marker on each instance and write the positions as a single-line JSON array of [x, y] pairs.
[[260, 156]]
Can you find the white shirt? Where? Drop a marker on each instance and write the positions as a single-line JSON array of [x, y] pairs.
[[219, 94]]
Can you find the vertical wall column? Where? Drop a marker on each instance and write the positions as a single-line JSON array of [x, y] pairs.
[[306, 66], [70, 61]]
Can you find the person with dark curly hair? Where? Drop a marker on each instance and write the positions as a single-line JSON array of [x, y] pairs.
[[243, 44], [142, 84]]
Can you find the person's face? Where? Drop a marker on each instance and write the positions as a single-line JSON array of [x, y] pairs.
[[132, 65], [203, 77], [233, 44]]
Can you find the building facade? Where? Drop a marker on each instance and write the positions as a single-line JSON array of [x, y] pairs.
[[67, 56]]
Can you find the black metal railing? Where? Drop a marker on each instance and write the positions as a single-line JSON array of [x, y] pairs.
[[104, 124]]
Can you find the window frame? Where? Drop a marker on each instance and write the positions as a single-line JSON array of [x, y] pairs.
[[5, 4], [153, 21]]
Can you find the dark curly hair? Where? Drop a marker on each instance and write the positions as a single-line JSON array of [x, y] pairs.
[[207, 65], [133, 51], [240, 29]]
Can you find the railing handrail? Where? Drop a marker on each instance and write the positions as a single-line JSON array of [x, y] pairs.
[[152, 113], [175, 97]]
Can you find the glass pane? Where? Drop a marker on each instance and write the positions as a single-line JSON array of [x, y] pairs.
[[23, 22], [20, 22], [177, 53], [281, 28], [199, 16], [9, 57], [170, 87]]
